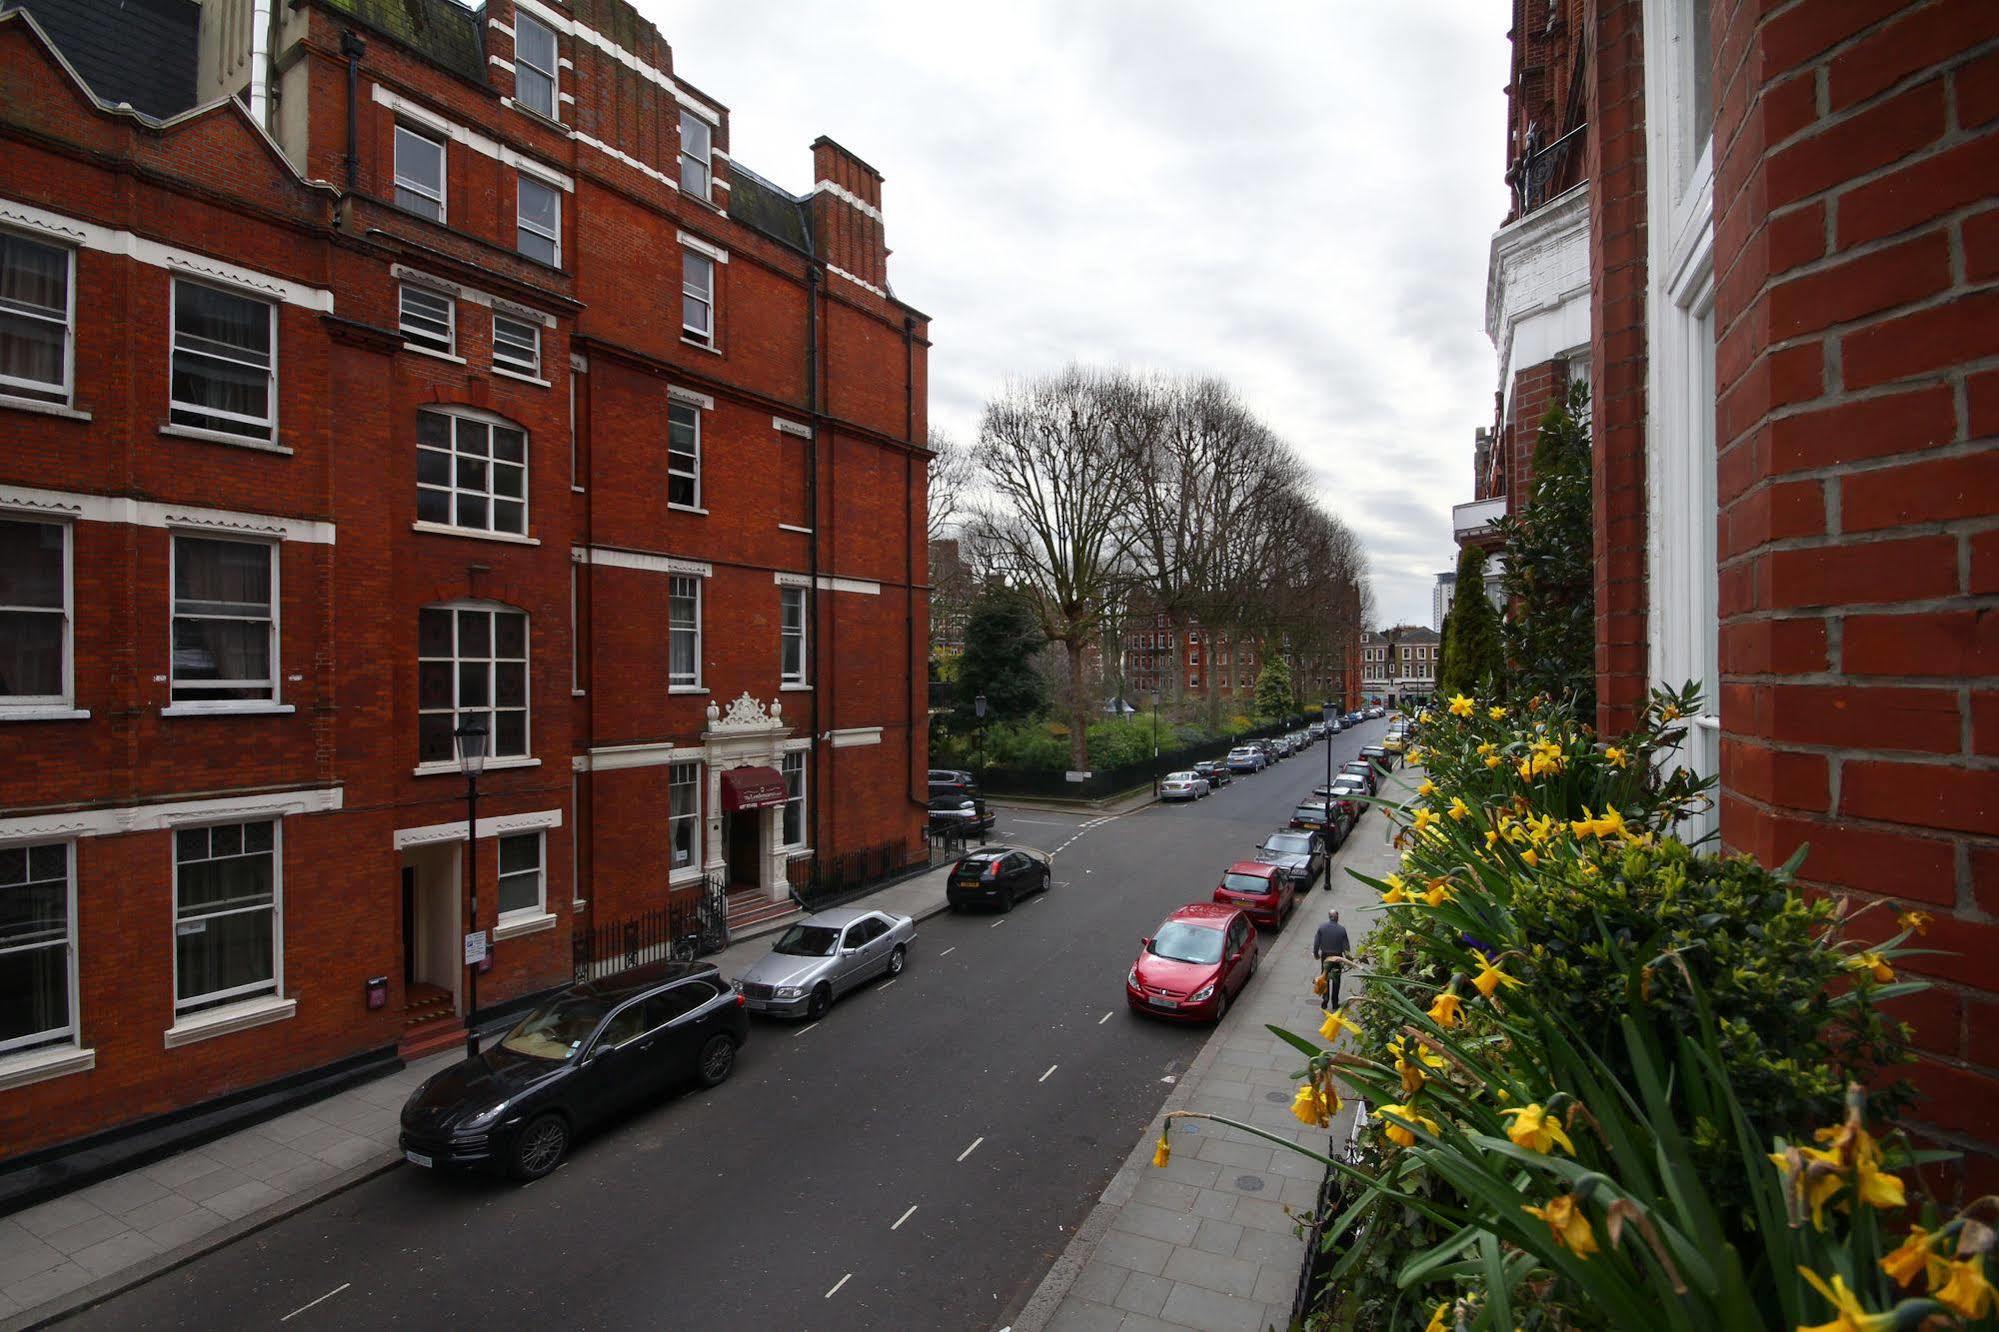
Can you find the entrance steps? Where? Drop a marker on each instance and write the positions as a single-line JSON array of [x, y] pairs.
[[749, 908], [430, 1023]]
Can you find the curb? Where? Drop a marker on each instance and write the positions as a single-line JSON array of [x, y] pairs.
[[106, 1287]]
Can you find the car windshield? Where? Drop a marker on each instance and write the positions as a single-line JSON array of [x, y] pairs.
[[1290, 845], [807, 941], [555, 1031], [1180, 942], [1245, 883]]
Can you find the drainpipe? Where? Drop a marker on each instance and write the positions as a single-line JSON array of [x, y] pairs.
[[352, 47], [818, 653], [260, 59], [909, 561]]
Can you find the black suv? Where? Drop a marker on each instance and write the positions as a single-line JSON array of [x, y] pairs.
[[950, 809], [1216, 771], [589, 1054], [953, 781]]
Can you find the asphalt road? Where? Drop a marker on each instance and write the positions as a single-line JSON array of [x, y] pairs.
[[918, 1159]]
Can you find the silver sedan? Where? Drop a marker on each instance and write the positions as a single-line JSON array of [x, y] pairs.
[[820, 958]]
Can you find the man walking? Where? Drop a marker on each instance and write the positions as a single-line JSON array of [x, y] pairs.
[[1329, 946]]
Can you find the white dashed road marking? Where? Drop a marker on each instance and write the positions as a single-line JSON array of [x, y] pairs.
[[969, 1150], [837, 1284], [904, 1217], [807, 1027], [996, 924], [321, 1300], [1105, 1018], [948, 951], [1049, 1074]]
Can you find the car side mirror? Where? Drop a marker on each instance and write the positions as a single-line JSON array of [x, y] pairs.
[[1145, 941]]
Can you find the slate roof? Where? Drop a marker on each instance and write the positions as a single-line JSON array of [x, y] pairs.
[[138, 51], [442, 31], [762, 206]]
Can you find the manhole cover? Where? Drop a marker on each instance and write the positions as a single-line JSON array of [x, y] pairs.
[[1279, 1097], [1249, 1183]]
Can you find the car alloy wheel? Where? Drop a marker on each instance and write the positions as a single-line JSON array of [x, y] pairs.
[[718, 1060], [896, 960], [822, 999], [540, 1148], [1044, 882], [1221, 1007], [1006, 899]]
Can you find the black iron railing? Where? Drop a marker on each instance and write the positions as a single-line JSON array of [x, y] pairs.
[[827, 881], [693, 922]]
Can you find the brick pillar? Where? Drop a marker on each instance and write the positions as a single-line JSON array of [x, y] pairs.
[[1616, 162], [1857, 316]]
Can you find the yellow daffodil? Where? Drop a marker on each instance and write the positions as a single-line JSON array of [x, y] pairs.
[[1615, 757], [1491, 838], [1536, 1129], [1488, 748], [1411, 1070], [1313, 1106], [1462, 706], [1853, 1316], [1428, 788], [1490, 978], [1916, 1257], [1163, 1152], [1876, 1187], [1495, 712], [1526, 770], [1873, 964], [1415, 756], [1439, 892], [1397, 890], [1335, 1023], [1967, 1291], [1606, 825], [1425, 819], [1398, 1120], [1571, 1228], [1540, 828], [1531, 856], [1916, 921], [1459, 809], [1671, 712], [1813, 1176], [1445, 1011], [1493, 760], [1437, 1323]]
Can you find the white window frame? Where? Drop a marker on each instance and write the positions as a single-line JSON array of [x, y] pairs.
[[38, 702], [195, 702], [530, 366], [704, 160], [553, 75], [540, 908], [492, 660], [692, 260], [673, 409], [34, 390], [1682, 623], [54, 1036], [799, 795], [675, 582], [275, 987], [684, 777], [451, 489], [417, 187], [415, 333], [523, 180], [269, 421], [787, 598]]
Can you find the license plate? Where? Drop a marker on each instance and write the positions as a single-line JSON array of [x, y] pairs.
[[1159, 1002], [418, 1158]]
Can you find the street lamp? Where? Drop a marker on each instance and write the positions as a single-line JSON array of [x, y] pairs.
[[471, 738], [979, 711]]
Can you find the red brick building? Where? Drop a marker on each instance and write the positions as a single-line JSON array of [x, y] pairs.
[[1793, 277], [1210, 663], [421, 366]]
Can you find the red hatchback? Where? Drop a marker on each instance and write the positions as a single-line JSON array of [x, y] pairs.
[[1201, 958], [1259, 889]]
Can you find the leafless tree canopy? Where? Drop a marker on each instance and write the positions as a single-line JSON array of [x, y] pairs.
[[1110, 491]]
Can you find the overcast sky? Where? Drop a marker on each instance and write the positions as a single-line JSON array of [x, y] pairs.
[[1297, 197]]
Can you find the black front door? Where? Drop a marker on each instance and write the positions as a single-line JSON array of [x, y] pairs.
[[409, 928]]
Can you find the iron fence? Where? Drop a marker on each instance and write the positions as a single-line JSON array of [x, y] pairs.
[[692, 923], [1104, 782], [827, 881]]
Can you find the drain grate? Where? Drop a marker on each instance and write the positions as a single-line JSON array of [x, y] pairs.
[[1249, 1183]]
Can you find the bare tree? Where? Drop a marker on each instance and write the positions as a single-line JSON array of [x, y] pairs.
[[952, 471], [1062, 471]]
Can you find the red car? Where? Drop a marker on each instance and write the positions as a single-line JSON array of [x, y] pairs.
[[1259, 889], [1201, 958]]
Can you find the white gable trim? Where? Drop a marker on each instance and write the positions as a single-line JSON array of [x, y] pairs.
[[498, 826], [167, 814], [148, 513]]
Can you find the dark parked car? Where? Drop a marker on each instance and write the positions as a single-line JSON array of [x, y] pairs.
[[1376, 754], [573, 1062], [997, 876], [1324, 818], [953, 781], [969, 812], [1299, 854], [1366, 771], [1216, 771], [1270, 751]]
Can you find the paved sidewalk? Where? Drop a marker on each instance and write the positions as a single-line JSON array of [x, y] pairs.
[[100, 1239], [1210, 1243], [83, 1246]]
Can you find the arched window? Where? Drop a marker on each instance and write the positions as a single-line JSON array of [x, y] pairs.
[[472, 666], [471, 471]]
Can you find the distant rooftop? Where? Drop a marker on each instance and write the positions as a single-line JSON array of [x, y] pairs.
[[141, 52]]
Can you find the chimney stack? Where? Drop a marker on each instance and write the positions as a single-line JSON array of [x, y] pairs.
[[847, 214]]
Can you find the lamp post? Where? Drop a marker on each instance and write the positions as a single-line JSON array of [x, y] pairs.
[[1155, 745], [979, 711], [471, 738]]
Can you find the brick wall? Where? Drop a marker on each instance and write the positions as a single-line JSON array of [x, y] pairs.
[[1616, 165], [1857, 258]]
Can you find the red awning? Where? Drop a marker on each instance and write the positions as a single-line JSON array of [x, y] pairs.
[[752, 788]]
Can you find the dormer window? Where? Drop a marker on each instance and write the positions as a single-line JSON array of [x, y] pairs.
[[697, 156], [535, 79]]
